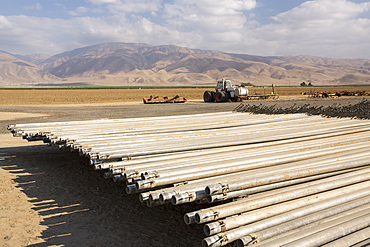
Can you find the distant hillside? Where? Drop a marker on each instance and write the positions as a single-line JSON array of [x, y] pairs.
[[15, 72], [33, 58], [141, 64]]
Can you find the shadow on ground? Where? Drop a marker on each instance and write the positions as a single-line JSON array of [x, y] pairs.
[[80, 208]]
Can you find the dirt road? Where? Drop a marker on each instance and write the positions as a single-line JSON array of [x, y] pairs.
[[48, 198]]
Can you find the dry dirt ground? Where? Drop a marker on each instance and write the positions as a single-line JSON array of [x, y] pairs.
[[50, 197]]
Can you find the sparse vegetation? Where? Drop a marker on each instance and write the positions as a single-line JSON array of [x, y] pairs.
[[304, 84], [247, 84]]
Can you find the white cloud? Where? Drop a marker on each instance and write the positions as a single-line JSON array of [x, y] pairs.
[[208, 16], [102, 1], [333, 28], [227, 7], [210, 7], [32, 34], [78, 11], [210, 24], [135, 6], [36, 6], [192, 23], [322, 11], [25, 35], [5, 23], [321, 27]]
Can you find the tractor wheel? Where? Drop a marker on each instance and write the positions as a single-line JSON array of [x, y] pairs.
[[209, 96], [235, 99], [221, 97]]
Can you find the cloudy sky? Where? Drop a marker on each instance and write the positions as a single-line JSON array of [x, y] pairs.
[[330, 28]]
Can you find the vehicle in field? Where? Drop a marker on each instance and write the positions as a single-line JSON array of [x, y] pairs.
[[224, 92]]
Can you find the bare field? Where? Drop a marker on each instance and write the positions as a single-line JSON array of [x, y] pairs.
[[88, 96], [52, 199], [98, 96]]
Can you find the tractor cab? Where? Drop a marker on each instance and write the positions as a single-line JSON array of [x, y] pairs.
[[223, 85]]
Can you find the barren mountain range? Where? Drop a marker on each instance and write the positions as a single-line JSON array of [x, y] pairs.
[[146, 65]]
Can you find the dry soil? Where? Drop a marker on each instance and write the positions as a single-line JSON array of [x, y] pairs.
[[50, 197]]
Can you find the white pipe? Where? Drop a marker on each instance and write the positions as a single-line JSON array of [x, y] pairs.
[[224, 210], [356, 222], [300, 217]]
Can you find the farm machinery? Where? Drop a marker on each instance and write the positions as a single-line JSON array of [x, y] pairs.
[[160, 100], [224, 92]]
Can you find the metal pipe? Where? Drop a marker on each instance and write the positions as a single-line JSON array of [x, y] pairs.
[[101, 139], [164, 195], [101, 125], [214, 141], [238, 164], [247, 234], [131, 189], [196, 191], [164, 126], [324, 236], [145, 162], [244, 205], [158, 140], [326, 198], [300, 217], [194, 186], [199, 192], [356, 159], [149, 162], [306, 230], [351, 239], [353, 191], [98, 142], [257, 189], [242, 183], [189, 218]]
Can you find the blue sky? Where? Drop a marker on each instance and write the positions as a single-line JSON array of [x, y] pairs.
[[329, 28]]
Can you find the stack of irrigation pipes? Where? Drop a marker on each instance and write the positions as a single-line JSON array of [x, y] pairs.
[[277, 180]]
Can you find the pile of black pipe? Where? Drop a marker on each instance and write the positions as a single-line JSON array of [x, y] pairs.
[[360, 110]]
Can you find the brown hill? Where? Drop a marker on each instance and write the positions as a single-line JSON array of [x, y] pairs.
[[33, 58], [141, 64], [15, 72]]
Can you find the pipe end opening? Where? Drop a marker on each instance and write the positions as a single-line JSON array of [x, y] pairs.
[[189, 218], [174, 200]]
